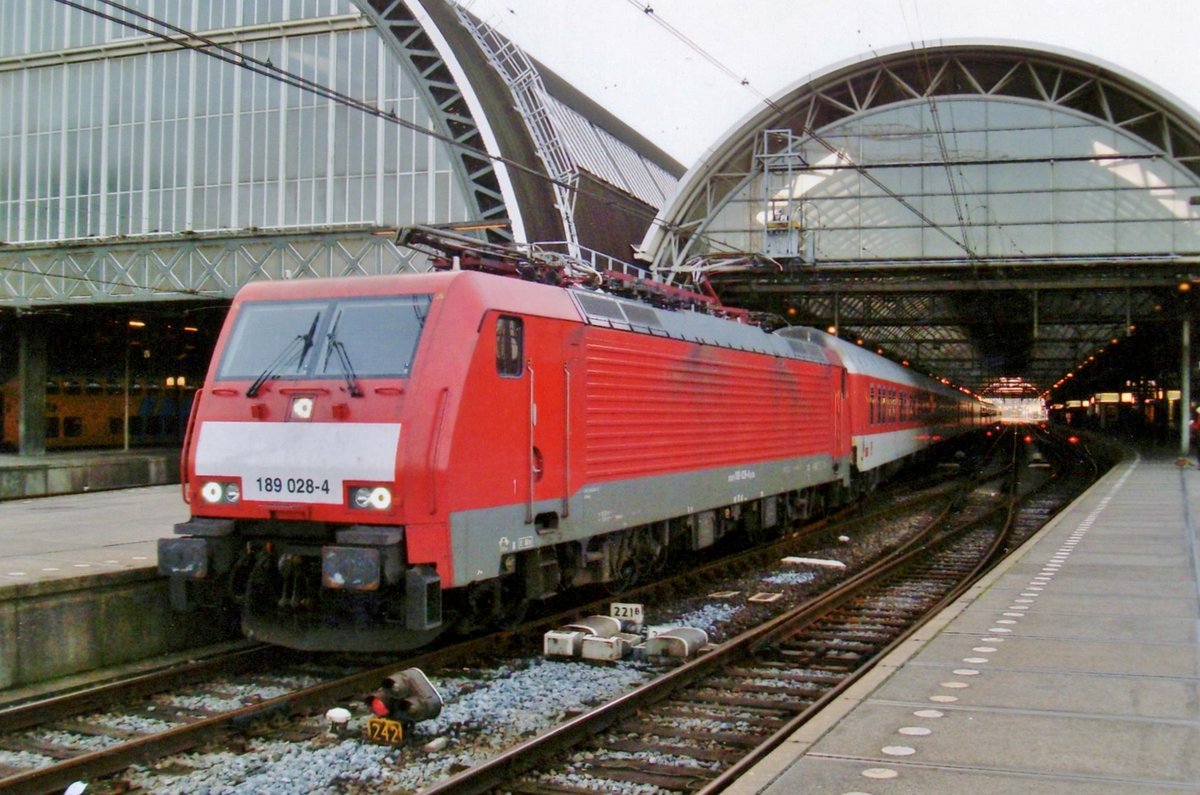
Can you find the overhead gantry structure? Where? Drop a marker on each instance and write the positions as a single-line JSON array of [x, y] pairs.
[[993, 213]]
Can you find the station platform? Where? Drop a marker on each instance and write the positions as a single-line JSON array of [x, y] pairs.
[[1073, 667], [79, 584], [77, 535]]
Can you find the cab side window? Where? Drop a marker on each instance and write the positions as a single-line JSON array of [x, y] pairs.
[[510, 346]]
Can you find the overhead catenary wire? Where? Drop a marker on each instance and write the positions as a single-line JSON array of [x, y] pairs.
[[186, 39], [267, 69]]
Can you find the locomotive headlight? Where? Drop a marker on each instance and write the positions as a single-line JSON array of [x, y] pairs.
[[215, 491], [302, 408], [361, 498], [378, 498], [381, 498]]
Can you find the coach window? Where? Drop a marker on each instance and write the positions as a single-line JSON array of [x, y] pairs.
[[510, 346], [72, 427]]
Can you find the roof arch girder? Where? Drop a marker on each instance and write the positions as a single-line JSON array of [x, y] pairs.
[[412, 33], [941, 152]]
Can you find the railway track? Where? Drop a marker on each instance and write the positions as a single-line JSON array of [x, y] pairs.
[[92, 733], [701, 726], [182, 727], [189, 728]]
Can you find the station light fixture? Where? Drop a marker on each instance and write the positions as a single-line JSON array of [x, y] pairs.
[[137, 324]]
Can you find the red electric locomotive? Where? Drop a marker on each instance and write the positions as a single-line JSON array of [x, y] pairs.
[[365, 446]]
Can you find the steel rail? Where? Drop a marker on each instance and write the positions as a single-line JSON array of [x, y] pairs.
[[64, 705], [54, 778], [87, 766], [500, 769]]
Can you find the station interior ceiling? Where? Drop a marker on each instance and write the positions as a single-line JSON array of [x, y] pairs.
[[152, 341], [1029, 336], [1013, 221]]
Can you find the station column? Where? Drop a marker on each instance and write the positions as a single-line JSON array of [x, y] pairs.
[[1185, 392], [31, 380]]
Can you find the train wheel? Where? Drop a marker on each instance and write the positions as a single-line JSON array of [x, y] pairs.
[[627, 577], [514, 602], [480, 607], [651, 553], [497, 603]]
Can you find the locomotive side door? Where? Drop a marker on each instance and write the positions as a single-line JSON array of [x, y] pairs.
[[548, 374]]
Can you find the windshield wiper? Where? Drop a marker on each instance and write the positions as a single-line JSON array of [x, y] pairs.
[[303, 340], [334, 344]]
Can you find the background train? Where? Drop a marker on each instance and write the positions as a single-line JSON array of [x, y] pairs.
[[365, 446], [90, 412]]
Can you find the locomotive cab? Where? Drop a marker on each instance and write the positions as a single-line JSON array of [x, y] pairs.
[[293, 469], [354, 438]]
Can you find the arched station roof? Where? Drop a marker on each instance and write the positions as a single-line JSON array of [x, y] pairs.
[[136, 167], [984, 210], [542, 133]]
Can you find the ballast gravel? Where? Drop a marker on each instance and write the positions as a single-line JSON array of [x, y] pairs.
[[485, 711], [478, 720], [790, 578], [709, 616], [23, 759]]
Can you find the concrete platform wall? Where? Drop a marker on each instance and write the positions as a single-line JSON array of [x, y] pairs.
[[61, 627], [42, 476]]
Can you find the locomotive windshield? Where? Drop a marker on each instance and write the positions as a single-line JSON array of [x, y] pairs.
[[276, 339]]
